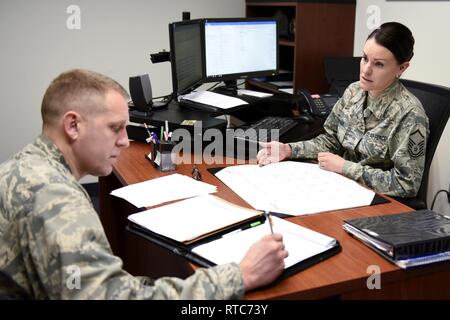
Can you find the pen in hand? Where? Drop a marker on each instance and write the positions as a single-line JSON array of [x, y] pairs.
[[269, 218]]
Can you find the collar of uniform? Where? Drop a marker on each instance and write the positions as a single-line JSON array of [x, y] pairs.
[[378, 105], [52, 150], [359, 96], [358, 99]]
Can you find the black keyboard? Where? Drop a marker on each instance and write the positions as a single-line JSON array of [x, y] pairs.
[[265, 129]]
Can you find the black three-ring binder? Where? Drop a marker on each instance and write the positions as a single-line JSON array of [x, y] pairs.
[[185, 251]]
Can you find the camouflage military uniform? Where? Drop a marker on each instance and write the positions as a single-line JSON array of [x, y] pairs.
[[382, 139], [50, 234]]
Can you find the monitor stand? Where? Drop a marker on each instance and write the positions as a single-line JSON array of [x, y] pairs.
[[230, 88], [157, 105]]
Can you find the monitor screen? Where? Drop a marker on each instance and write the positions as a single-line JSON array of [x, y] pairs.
[[186, 55], [240, 48]]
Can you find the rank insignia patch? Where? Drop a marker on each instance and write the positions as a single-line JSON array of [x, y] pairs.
[[416, 144]]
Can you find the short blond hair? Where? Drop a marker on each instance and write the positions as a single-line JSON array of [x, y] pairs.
[[79, 90]]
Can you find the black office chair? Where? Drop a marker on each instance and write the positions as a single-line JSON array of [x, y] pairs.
[[436, 102], [340, 72]]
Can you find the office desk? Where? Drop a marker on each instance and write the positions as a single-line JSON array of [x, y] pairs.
[[281, 105], [343, 275], [176, 114]]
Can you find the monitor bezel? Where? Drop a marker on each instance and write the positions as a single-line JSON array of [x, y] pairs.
[[241, 75], [176, 91]]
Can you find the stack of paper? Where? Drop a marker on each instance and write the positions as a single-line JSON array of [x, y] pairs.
[[214, 99], [287, 90], [168, 188], [254, 93]]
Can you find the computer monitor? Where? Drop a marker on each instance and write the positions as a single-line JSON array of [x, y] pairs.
[[186, 55], [240, 48]]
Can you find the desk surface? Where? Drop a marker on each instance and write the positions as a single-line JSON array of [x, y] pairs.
[[344, 275], [282, 105]]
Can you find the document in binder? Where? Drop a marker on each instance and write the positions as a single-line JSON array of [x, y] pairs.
[[408, 239], [194, 219], [300, 242], [209, 231]]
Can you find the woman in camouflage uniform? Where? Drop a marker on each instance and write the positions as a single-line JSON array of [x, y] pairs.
[[377, 132]]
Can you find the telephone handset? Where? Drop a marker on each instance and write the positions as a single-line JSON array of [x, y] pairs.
[[320, 105]]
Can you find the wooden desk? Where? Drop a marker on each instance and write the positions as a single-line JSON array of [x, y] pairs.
[[343, 275]]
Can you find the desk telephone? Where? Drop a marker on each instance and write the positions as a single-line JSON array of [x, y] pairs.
[[320, 105]]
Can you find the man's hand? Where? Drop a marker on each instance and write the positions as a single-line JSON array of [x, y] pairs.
[[272, 152], [263, 262], [331, 162]]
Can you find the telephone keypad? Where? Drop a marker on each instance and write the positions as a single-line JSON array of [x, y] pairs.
[[320, 106]]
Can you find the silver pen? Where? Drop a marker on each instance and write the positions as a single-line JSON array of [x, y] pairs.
[[269, 218]]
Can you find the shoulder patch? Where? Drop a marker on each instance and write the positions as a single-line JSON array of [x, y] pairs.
[[416, 144]]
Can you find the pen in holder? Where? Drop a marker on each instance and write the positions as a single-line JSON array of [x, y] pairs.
[[161, 155]]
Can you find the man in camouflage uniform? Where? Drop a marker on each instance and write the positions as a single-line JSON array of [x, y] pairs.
[[377, 132], [52, 244]]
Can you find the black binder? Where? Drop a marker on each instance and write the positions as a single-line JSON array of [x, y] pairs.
[[185, 251], [422, 235]]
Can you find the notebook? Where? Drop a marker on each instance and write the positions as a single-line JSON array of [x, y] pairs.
[[408, 238]]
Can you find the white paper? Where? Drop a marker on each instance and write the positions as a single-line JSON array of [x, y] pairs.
[[214, 99], [191, 218], [172, 187], [287, 90], [254, 93], [294, 188], [301, 243]]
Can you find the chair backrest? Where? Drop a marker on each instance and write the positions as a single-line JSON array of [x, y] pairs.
[[436, 102], [340, 72]]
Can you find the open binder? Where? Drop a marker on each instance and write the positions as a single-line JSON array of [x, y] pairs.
[[231, 241], [407, 239]]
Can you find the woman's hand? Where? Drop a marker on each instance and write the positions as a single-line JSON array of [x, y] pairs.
[[273, 151], [331, 162]]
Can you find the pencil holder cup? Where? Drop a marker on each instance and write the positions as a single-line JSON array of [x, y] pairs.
[[161, 155]]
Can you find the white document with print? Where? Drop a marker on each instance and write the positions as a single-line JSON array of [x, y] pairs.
[[168, 188], [192, 219], [214, 99], [300, 242], [294, 188]]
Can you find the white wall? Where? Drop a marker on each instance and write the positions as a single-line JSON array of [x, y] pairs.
[[430, 25], [116, 38]]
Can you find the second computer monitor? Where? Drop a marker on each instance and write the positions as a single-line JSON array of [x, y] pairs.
[[186, 55], [212, 50], [240, 48]]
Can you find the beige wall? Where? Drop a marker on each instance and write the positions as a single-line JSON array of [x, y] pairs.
[[430, 24]]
